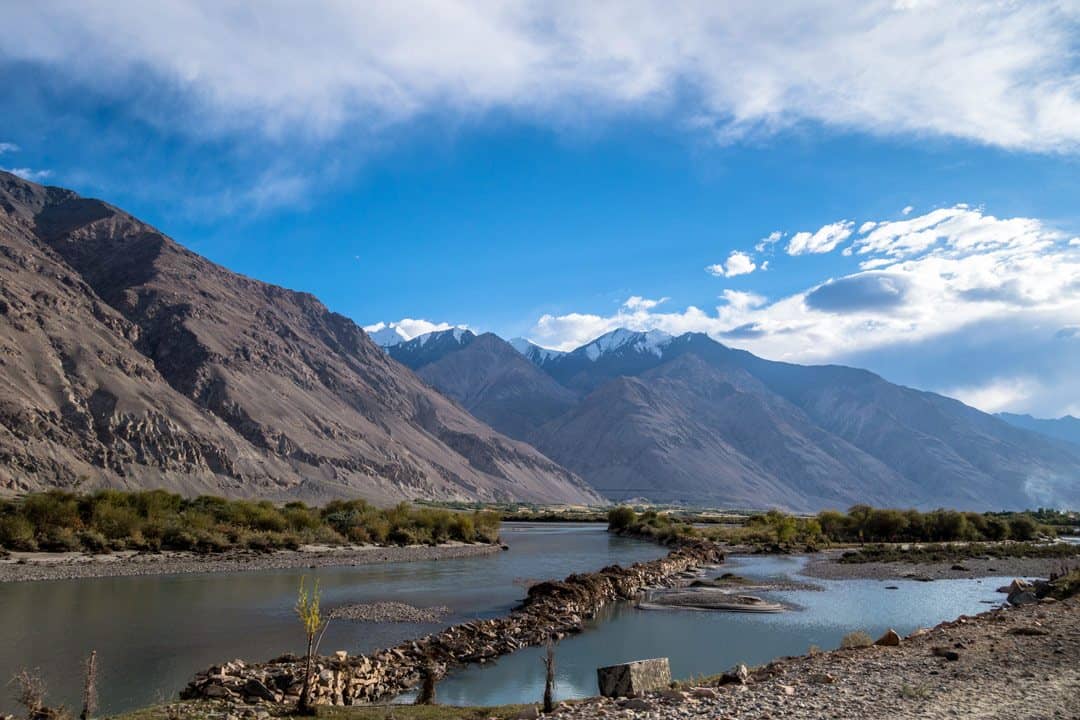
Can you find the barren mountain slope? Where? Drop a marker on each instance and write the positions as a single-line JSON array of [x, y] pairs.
[[290, 398]]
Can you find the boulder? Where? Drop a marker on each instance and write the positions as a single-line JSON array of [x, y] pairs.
[[256, 689], [891, 638], [739, 674], [631, 678]]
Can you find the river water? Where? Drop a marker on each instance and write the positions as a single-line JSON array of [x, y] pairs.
[[153, 633]]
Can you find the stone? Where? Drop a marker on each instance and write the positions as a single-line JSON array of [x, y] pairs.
[[739, 674], [529, 713], [891, 638], [256, 689], [704, 692], [632, 678], [950, 655], [341, 655], [1023, 598]]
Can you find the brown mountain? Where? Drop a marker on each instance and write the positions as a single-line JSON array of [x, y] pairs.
[[127, 360], [488, 377], [687, 419]]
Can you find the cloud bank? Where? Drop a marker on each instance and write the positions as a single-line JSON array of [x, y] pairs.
[[1000, 74], [955, 277]]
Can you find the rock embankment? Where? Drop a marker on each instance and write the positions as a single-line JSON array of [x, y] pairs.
[[554, 608]]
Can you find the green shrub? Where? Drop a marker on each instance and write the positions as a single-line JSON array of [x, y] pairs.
[[856, 639], [93, 541], [621, 518], [17, 533], [59, 539]]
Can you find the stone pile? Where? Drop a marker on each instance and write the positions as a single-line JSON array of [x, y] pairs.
[[551, 609]]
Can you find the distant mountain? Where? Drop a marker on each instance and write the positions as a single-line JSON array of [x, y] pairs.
[[687, 419], [128, 361], [429, 347], [488, 377], [534, 353], [1065, 428]]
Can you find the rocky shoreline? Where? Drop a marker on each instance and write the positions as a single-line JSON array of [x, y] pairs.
[[825, 565], [1014, 663], [25, 567], [551, 609]]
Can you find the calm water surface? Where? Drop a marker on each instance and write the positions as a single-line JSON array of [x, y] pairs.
[[153, 633], [704, 643]]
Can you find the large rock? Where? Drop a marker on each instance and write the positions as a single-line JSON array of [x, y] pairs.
[[891, 638], [631, 678]]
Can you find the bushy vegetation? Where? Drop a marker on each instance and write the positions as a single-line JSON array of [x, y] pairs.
[[157, 520], [860, 524], [650, 524]]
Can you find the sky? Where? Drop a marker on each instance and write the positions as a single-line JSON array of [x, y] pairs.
[[892, 185]]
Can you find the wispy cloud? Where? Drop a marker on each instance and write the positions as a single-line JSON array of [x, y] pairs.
[[29, 173], [6, 147], [824, 240], [1001, 74]]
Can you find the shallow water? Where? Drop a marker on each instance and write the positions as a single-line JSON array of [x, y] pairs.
[[705, 643], [153, 633]]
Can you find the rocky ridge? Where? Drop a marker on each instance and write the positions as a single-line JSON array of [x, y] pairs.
[[128, 361]]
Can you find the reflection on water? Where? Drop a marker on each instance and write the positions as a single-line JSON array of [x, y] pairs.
[[705, 643], [153, 633]]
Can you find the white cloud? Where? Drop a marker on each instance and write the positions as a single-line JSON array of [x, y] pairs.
[[925, 282], [997, 395], [906, 211], [823, 241], [29, 173], [636, 302], [408, 328], [6, 147], [738, 263], [1001, 74], [768, 241]]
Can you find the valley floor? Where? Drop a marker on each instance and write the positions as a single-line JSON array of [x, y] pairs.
[[25, 566]]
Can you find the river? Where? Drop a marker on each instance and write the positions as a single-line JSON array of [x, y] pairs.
[[153, 633]]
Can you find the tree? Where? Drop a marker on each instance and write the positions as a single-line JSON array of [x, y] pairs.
[[307, 609], [620, 518]]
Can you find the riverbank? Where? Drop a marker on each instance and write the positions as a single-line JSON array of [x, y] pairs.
[[826, 566], [32, 566], [1011, 663]]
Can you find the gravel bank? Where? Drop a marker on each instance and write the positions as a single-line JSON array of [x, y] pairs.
[[21, 567], [824, 565], [1017, 663], [389, 612]]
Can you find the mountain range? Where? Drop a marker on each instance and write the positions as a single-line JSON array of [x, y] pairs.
[[689, 420], [129, 361]]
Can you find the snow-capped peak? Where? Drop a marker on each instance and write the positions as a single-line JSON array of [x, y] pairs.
[[651, 341], [459, 334], [532, 351], [386, 335]]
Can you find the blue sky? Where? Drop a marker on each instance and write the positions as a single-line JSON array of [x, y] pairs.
[[556, 171]]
